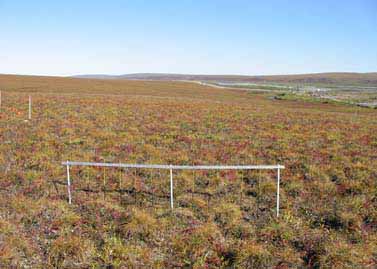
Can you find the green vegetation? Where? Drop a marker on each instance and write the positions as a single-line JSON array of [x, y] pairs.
[[122, 219], [363, 99]]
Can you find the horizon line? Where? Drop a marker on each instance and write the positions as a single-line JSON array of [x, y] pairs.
[[185, 74]]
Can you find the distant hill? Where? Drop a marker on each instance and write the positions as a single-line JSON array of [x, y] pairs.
[[322, 78]]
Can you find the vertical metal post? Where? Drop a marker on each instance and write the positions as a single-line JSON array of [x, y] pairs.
[[104, 183], [0, 99], [69, 185], [120, 185], [278, 193], [29, 107], [171, 190]]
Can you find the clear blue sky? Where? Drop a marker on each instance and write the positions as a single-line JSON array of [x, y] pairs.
[[181, 36]]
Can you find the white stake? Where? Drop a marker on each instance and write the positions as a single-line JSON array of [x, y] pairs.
[[171, 189], [69, 186], [0, 99], [278, 194], [29, 107]]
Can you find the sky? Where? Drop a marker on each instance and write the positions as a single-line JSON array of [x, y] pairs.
[[180, 36]]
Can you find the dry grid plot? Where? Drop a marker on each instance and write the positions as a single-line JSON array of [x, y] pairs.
[[172, 168]]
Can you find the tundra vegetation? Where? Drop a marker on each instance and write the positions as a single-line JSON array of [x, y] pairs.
[[120, 218]]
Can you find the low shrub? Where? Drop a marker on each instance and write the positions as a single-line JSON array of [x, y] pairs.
[[227, 215], [71, 251], [253, 255], [142, 225]]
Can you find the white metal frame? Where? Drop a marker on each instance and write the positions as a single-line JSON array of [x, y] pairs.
[[178, 167]]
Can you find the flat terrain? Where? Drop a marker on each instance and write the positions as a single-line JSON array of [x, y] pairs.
[[121, 218], [347, 88], [324, 78]]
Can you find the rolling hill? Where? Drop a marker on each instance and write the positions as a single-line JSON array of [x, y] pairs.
[[323, 78]]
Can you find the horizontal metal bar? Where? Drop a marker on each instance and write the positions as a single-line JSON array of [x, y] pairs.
[[177, 167]]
